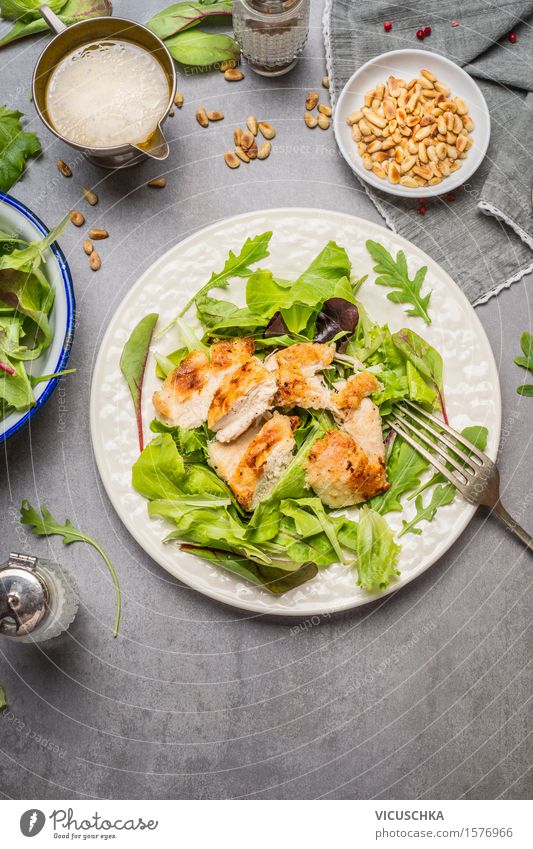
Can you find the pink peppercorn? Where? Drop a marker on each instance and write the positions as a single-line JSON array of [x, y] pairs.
[[387, 26]]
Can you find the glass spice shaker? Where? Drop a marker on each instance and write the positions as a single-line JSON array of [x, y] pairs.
[[271, 33], [38, 599]]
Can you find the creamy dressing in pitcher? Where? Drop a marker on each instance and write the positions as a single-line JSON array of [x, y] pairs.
[[106, 94]]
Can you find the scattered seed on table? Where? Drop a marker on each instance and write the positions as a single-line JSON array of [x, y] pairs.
[[325, 81], [77, 218], [179, 99], [63, 168], [157, 183], [98, 234], [232, 75], [88, 247], [90, 196], [231, 159], [215, 116], [94, 261], [201, 117]]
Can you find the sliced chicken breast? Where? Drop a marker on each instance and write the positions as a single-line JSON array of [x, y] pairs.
[[253, 463], [188, 390], [244, 394], [185, 396], [341, 473], [297, 371], [357, 414]]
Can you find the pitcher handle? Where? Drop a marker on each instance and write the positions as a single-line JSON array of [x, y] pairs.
[[55, 23]]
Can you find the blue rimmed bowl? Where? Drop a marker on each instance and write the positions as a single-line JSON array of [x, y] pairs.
[[18, 219]]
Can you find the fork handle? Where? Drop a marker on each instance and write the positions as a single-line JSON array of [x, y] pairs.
[[523, 535]]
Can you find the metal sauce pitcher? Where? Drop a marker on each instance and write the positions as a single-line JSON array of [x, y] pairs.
[[70, 38]]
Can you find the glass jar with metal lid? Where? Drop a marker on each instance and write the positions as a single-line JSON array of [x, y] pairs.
[[271, 33]]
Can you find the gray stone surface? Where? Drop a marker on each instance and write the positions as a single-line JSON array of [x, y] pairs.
[[421, 695]]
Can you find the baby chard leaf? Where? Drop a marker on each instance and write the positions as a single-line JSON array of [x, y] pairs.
[[195, 47], [133, 364], [182, 16], [395, 274]]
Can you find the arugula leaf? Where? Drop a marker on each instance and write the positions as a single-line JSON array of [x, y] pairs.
[[16, 147], [133, 364], [425, 359], [404, 469], [3, 698], [195, 47], [377, 553], [442, 494], [44, 524], [526, 343], [394, 273], [237, 265], [182, 16]]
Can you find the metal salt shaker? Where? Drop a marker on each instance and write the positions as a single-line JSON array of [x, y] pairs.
[[38, 599], [271, 33]]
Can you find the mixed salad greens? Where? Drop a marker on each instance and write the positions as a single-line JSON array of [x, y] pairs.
[[292, 534], [26, 300]]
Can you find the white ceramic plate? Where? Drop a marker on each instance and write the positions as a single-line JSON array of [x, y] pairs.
[[17, 219], [470, 380], [407, 64]]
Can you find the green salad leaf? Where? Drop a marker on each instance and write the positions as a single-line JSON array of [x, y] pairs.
[[70, 12], [16, 147], [195, 47], [183, 16], [441, 495], [237, 265], [43, 524], [526, 343], [133, 365], [425, 359], [14, 9], [376, 551], [395, 274], [404, 469]]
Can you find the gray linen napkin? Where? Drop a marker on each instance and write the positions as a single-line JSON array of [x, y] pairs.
[[484, 238]]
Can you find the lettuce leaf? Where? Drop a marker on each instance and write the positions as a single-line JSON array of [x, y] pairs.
[[404, 468], [377, 553], [16, 147]]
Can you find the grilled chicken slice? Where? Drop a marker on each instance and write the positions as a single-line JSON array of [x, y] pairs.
[[188, 390], [358, 415], [341, 473], [253, 463], [297, 371], [244, 394]]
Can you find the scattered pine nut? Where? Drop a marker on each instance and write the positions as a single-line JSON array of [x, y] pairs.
[[324, 109], [247, 140], [232, 75], [201, 117], [157, 183], [237, 136], [77, 218], [90, 196], [266, 130], [63, 168], [171, 113], [243, 156], [94, 261], [323, 121], [325, 81], [311, 100], [251, 123], [265, 150], [310, 120], [98, 234], [215, 116], [178, 99], [88, 247], [231, 159]]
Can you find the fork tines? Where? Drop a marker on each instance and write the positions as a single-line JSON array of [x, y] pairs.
[[415, 425]]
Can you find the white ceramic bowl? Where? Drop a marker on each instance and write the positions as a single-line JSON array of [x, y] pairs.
[[18, 219], [407, 64]]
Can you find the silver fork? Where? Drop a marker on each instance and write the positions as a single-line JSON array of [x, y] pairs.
[[474, 475]]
